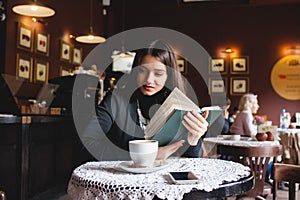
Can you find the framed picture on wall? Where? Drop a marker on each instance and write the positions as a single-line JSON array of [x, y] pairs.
[[41, 69], [217, 65], [217, 85], [182, 65], [240, 65], [64, 71], [24, 37], [24, 67], [239, 85], [42, 43], [65, 51], [77, 56]]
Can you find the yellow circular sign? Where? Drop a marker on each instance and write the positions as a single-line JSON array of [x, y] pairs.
[[285, 77]]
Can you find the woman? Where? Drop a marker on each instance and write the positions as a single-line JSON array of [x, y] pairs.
[[124, 113], [243, 124]]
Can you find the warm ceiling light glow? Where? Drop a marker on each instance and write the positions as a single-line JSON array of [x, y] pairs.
[[90, 39], [294, 48], [228, 50], [33, 10]]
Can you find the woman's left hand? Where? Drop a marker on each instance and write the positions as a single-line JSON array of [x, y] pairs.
[[196, 124]]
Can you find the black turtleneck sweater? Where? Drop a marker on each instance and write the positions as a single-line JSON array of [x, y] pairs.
[[149, 104]]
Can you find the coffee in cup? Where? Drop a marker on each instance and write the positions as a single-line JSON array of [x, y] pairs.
[[143, 152]]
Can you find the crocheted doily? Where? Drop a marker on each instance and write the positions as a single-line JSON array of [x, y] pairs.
[[104, 180]]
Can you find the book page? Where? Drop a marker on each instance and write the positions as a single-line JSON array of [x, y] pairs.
[[177, 100]]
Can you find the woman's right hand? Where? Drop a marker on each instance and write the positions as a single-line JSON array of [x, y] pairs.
[[165, 151]]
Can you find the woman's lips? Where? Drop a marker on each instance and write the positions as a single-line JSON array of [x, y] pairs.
[[147, 87]]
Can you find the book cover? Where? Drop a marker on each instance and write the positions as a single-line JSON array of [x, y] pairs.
[[173, 130], [166, 127]]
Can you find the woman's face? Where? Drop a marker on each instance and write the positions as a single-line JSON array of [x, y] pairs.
[[152, 75], [255, 106]]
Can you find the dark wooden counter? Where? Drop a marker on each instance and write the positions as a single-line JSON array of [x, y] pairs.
[[37, 153]]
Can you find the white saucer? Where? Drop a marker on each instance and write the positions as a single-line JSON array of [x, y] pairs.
[[129, 167], [231, 137], [247, 139]]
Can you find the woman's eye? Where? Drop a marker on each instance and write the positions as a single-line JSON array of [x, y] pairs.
[[159, 73], [142, 70]]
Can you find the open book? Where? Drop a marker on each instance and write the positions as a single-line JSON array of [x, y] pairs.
[[166, 126]]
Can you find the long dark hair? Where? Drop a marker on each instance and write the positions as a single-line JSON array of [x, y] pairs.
[[165, 54]]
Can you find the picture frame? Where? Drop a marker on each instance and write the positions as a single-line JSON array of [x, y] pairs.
[[217, 65], [65, 51], [240, 65], [24, 37], [41, 71], [182, 65], [218, 86], [24, 67], [77, 56], [239, 85], [42, 43], [64, 71]]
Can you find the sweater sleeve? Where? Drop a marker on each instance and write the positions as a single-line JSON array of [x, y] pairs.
[[96, 136], [193, 151]]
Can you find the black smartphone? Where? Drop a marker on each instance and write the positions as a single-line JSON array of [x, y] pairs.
[[183, 177]]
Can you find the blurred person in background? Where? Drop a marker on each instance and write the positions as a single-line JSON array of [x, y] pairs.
[[243, 124]]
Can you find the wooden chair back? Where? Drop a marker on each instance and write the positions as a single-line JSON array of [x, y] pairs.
[[289, 173], [257, 158]]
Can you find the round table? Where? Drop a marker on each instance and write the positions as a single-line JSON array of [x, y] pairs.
[[105, 180], [211, 143]]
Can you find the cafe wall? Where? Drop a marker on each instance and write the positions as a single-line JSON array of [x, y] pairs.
[[71, 17], [263, 33]]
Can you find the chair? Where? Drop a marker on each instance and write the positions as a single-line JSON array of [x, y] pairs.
[[289, 173], [258, 159]]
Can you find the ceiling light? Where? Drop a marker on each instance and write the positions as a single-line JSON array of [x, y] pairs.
[[228, 50], [294, 48], [34, 10], [122, 54], [90, 38]]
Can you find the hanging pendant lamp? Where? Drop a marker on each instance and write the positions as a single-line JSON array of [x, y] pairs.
[[122, 53], [90, 38], [34, 10]]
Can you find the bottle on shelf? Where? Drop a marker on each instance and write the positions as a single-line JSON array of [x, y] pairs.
[[283, 119]]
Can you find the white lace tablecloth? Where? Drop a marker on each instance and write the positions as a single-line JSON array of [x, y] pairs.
[[103, 180], [220, 140], [211, 143]]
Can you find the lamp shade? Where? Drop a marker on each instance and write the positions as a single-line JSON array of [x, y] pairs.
[[90, 39], [33, 10]]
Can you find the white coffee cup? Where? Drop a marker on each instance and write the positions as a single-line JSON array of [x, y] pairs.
[[143, 152]]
